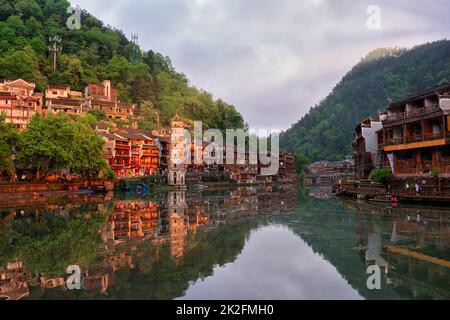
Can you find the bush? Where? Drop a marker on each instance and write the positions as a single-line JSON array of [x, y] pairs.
[[435, 172], [381, 175], [109, 174]]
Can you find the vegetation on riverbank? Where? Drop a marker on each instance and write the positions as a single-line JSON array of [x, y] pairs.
[[326, 132], [97, 52], [51, 144]]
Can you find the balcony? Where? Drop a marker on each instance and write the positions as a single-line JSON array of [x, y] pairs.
[[428, 139], [413, 113], [410, 167], [394, 141]]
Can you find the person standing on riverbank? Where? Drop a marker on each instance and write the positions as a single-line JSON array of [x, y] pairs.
[[417, 189]]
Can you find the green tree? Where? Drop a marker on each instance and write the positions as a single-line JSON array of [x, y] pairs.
[[85, 150], [56, 142], [16, 23], [300, 163], [9, 140], [383, 175], [98, 114], [21, 64]]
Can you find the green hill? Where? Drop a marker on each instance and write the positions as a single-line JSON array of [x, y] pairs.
[[325, 133], [97, 52]]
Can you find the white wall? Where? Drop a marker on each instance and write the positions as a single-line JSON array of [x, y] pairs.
[[371, 138]]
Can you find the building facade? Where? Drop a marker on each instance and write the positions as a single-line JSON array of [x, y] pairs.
[[287, 165], [145, 151], [117, 153], [177, 166], [416, 134], [102, 96], [63, 99], [19, 102], [365, 145]]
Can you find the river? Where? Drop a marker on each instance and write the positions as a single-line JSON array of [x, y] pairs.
[[246, 243]]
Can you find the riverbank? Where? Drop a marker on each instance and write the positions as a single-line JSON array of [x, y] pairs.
[[48, 189], [373, 191], [140, 186]]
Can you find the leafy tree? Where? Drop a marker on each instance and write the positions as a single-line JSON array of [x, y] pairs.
[[98, 114], [22, 63], [85, 150], [383, 175], [44, 148], [16, 23], [300, 163], [56, 142], [9, 139]]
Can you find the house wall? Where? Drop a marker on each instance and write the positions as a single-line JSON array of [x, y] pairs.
[[371, 137]]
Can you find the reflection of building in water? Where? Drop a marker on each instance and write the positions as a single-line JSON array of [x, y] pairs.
[[320, 192], [13, 282], [374, 251], [242, 203], [98, 278], [277, 202], [135, 222], [177, 226], [131, 219], [422, 275], [14, 290], [196, 215], [414, 245]]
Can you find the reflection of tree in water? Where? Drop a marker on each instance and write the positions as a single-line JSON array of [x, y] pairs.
[[167, 279], [47, 242], [157, 262], [38, 244], [352, 237]]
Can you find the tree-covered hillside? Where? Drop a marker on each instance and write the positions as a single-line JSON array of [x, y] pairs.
[[97, 52], [326, 131]]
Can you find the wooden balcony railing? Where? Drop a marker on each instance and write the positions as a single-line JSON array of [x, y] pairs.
[[413, 113], [410, 167], [393, 142], [433, 135], [428, 136], [414, 138]]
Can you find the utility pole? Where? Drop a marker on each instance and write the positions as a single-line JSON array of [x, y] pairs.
[[54, 48], [158, 113], [135, 41]]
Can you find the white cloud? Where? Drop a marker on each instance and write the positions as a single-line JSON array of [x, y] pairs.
[[272, 59]]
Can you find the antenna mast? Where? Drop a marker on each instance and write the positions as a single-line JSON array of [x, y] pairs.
[[55, 48], [135, 41]]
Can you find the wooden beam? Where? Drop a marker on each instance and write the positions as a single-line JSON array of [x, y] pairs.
[[419, 256], [416, 145]]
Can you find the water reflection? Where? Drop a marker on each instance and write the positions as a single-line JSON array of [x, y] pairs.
[[232, 244]]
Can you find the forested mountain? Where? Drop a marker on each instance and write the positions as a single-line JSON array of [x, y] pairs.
[[325, 133], [97, 52]]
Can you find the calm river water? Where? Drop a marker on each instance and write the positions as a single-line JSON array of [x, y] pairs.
[[230, 244]]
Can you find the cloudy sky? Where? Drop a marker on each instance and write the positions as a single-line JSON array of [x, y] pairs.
[[272, 59]]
